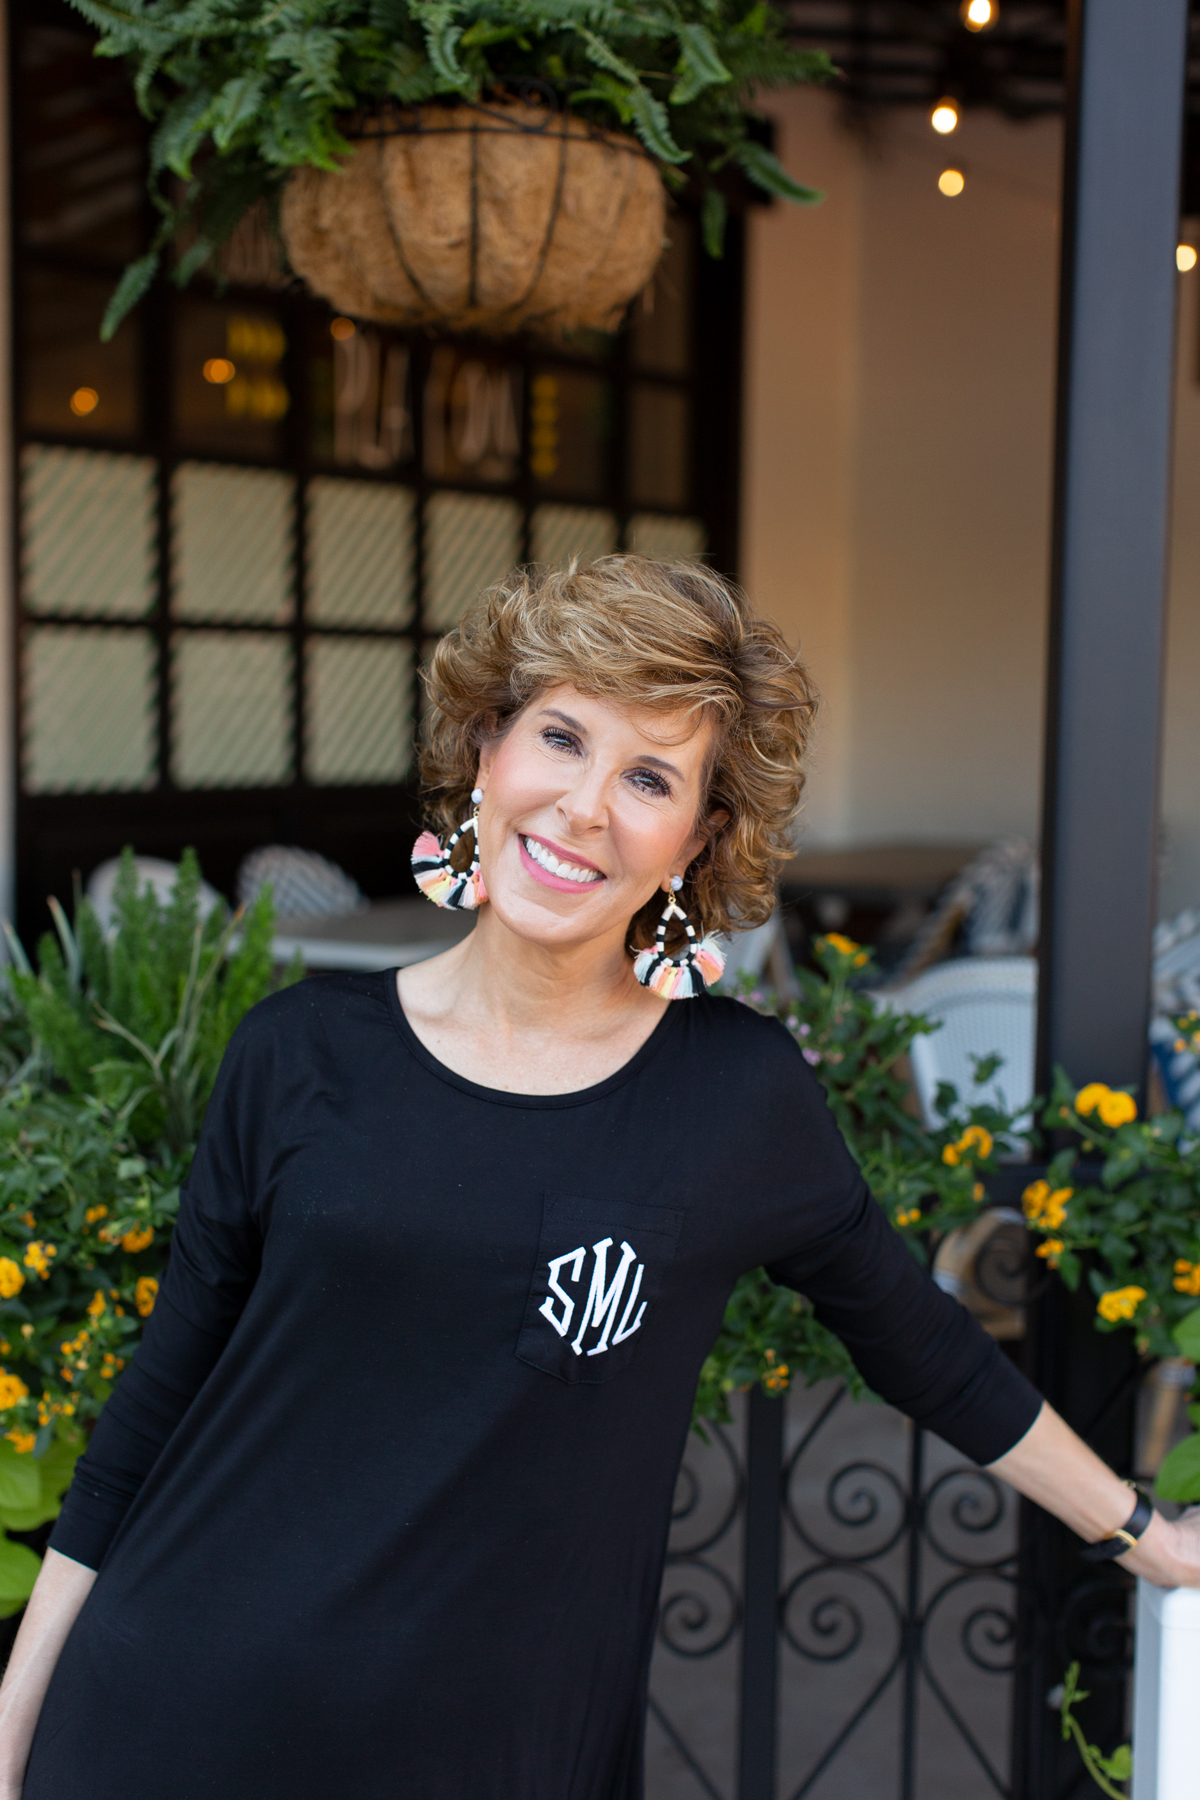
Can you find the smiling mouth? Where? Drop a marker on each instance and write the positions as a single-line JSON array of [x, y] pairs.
[[554, 865]]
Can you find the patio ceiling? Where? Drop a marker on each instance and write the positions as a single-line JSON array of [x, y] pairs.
[[912, 52]]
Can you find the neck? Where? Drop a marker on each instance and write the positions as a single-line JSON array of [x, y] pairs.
[[507, 984]]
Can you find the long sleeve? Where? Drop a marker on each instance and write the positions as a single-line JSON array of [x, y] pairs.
[[914, 1345], [213, 1265]]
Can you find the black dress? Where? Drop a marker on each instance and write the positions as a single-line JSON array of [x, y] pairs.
[[380, 1505]]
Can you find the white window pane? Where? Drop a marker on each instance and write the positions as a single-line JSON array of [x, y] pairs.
[[471, 540], [89, 709], [561, 532], [232, 544], [358, 710], [360, 553], [653, 534], [87, 537], [233, 708]]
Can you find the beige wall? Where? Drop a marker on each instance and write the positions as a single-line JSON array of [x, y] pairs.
[[898, 428], [899, 399]]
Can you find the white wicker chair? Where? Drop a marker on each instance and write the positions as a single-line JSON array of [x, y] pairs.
[[152, 871], [986, 1005]]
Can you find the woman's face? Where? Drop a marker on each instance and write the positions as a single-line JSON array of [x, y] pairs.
[[588, 807]]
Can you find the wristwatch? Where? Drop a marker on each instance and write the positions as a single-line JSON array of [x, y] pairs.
[[1127, 1536]]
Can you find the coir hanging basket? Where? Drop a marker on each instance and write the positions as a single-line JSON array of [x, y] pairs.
[[480, 218]]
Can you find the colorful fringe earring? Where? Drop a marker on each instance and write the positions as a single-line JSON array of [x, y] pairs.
[[678, 977], [436, 879]]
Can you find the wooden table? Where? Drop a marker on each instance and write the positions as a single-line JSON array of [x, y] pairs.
[[388, 934], [879, 875]]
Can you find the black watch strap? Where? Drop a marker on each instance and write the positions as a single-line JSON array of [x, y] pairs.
[[1127, 1536]]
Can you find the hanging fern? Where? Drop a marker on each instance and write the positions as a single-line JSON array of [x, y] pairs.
[[243, 91]]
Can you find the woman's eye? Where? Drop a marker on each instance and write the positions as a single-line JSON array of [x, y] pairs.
[[559, 740], [650, 783]]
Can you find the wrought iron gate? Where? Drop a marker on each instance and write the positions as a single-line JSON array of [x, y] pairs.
[[851, 1612]]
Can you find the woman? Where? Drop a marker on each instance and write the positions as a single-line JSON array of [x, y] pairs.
[[379, 1508]]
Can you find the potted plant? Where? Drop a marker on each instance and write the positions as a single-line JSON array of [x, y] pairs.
[[476, 164]]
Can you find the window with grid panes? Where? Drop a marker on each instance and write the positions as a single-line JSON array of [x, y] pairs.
[[243, 523]]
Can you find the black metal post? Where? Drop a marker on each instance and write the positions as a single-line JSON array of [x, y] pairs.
[[1116, 355], [1115, 383], [758, 1730]]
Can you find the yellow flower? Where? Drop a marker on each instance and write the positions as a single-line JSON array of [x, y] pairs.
[[1187, 1278], [1034, 1199], [133, 1241], [23, 1441], [1054, 1210], [843, 945], [1088, 1098], [37, 1258], [975, 1137], [97, 1303], [908, 1216], [776, 1379], [978, 1191], [1052, 1249], [1120, 1304], [145, 1294], [950, 1154], [12, 1389], [27, 1331], [95, 1212], [11, 1278], [1117, 1108]]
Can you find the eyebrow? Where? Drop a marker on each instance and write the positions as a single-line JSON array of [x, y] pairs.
[[655, 762]]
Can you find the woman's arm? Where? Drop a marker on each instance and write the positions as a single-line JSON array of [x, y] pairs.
[[1054, 1467], [61, 1589]]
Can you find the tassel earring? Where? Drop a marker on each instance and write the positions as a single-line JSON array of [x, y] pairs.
[[678, 977], [444, 885]]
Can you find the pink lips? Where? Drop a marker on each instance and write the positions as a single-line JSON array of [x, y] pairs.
[[556, 881]]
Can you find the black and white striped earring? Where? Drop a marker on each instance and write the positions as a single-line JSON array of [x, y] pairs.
[[696, 966], [444, 885]]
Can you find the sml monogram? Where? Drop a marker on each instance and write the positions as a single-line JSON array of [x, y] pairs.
[[604, 1297]]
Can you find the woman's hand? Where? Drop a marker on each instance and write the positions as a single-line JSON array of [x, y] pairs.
[[1167, 1553], [1054, 1467], [60, 1591]]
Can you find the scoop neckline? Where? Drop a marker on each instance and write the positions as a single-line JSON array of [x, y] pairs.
[[499, 1096]]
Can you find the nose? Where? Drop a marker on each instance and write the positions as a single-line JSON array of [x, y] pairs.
[[583, 806]]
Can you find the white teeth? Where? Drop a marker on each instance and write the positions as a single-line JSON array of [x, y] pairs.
[[564, 870]]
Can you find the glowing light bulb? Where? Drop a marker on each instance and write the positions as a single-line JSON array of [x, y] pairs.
[[951, 182], [979, 15], [219, 370], [1185, 258], [944, 117], [342, 329], [86, 400]]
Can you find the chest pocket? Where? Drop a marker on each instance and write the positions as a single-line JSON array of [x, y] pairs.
[[600, 1269]]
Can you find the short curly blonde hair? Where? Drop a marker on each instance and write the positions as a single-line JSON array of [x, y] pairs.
[[670, 636]]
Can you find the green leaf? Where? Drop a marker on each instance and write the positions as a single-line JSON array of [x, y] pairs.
[[699, 65], [652, 126], [1187, 1335], [235, 105], [1179, 1477], [19, 1569], [129, 290], [767, 172], [20, 1481], [1120, 1764], [713, 214]]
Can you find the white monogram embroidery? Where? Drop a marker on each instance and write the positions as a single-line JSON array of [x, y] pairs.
[[603, 1301]]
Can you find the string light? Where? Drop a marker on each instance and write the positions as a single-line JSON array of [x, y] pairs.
[[219, 370], [951, 182], [86, 400], [979, 15], [1185, 258], [944, 117]]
